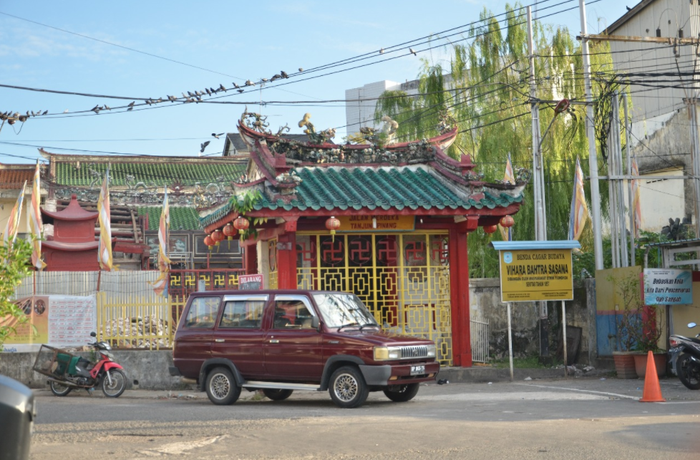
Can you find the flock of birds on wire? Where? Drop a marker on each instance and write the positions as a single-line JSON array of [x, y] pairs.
[[12, 117], [196, 96]]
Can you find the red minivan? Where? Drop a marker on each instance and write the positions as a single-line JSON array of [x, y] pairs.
[[280, 341]]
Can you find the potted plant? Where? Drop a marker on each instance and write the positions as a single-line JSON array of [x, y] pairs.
[[639, 329], [647, 330]]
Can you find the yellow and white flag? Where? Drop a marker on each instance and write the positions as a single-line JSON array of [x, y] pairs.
[[104, 251], [161, 284], [509, 177], [579, 208], [34, 218], [12, 226]]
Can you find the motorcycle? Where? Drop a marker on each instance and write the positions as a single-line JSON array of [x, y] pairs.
[[71, 372], [685, 358]]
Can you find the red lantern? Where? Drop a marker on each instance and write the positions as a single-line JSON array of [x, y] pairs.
[[507, 221], [332, 224], [241, 224], [209, 241], [229, 231], [217, 236], [490, 228]]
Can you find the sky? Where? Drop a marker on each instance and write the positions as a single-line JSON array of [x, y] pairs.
[[82, 55]]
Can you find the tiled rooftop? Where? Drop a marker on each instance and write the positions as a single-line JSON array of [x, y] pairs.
[[158, 171], [181, 218]]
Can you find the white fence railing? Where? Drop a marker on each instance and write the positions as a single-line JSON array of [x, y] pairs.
[[117, 285], [480, 341]]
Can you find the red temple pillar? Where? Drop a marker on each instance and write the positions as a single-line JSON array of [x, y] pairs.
[[459, 292], [287, 257]]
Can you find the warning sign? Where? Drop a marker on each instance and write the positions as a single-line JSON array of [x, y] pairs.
[[542, 274]]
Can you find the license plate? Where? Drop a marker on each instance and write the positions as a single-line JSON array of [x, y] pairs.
[[417, 370]]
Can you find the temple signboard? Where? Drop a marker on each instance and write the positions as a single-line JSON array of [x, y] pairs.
[[364, 222]]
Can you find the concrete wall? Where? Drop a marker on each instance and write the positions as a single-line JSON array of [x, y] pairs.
[[150, 368], [486, 305]]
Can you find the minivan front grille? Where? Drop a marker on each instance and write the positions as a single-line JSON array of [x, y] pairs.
[[420, 351]]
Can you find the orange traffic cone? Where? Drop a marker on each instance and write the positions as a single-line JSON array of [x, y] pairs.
[[652, 389]]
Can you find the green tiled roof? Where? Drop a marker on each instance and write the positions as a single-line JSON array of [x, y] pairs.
[[158, 171], [181, 218], [383, 188]]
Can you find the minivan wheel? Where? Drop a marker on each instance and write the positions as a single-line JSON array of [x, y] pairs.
[[277, 395], [221, 387], [348, 388], [402, 393]]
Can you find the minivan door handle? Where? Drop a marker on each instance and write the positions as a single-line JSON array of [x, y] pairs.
[[219, 340], [274, 341]]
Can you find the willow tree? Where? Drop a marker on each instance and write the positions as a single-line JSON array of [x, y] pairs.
[[487, 92]]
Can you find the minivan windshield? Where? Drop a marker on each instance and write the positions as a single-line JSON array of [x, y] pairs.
[[340, 309]]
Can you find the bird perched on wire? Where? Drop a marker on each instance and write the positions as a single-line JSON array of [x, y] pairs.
[[412, 52], [249, 83], [131, 106], [203, 146], [381, 51], [96, 109], [284, 74], [301, 69], [217, 135]]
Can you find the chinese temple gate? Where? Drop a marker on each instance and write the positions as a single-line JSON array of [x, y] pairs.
[[388, 221]]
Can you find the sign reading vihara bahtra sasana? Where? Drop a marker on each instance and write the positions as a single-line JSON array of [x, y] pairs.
[[537, 274], [367, 223]]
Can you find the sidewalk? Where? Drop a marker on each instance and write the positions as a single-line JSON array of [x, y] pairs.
[[459, 380]]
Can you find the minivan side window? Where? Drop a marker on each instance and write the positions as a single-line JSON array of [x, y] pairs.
[[242, 314], [202, 312], [292, 315]]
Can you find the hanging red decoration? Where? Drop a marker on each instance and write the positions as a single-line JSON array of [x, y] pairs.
[[217, 236], [229, 231], [241, 224], [209, 241], [332, 224], [490, 228], [507, 221]]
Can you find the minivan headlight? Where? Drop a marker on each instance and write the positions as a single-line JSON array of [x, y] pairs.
[[431, 351], [386, 353]]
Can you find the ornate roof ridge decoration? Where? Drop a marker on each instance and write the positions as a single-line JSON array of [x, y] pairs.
[[274, 157], [70, 157]]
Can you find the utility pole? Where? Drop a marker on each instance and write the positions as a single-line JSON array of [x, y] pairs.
[[695, 149], [592, 155], [537, 182], [630, 191], [691, 103]]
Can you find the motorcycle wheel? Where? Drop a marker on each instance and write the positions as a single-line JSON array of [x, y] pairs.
[[59, 389], [688, 371], [118, 383]]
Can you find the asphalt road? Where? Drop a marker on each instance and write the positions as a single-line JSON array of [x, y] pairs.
[[574, 419]]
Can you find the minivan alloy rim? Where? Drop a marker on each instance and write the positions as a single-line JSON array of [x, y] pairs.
[[345, 387], [220, 386]]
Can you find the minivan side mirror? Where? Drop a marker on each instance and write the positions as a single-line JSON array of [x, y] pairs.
[[316, 323], [691, 325]]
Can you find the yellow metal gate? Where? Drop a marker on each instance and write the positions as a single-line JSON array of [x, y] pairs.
[[403, 279]]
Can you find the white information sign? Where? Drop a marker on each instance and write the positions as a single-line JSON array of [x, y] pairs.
[[663, 286], [71, 319]]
